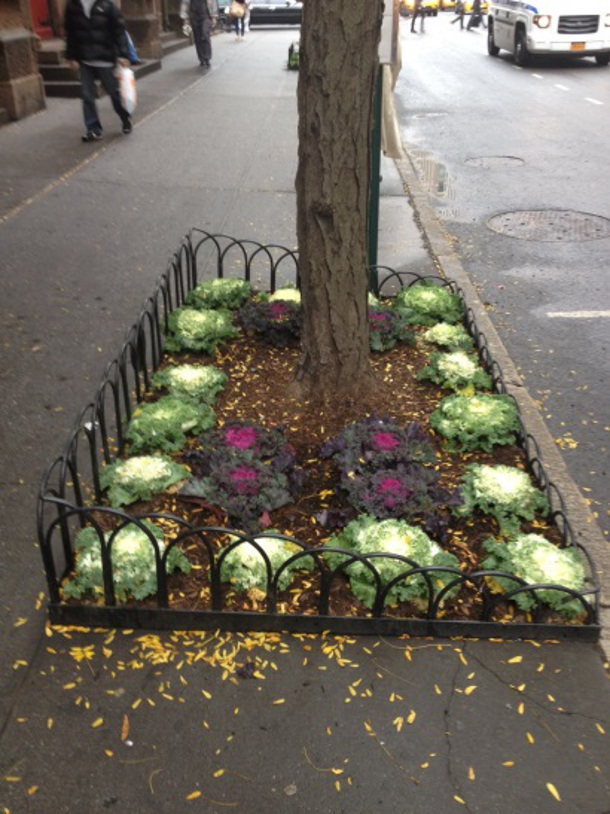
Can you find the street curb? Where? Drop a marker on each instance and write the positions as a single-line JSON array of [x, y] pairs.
[[584, 525]]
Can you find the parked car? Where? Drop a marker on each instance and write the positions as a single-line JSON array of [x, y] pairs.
[[447, 4], [468, 6], [269, 12], [430, 7]]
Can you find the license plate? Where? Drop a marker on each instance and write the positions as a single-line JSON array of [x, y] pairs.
[[577, 46]]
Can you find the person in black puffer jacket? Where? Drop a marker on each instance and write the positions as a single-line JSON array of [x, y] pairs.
[[95, 41]]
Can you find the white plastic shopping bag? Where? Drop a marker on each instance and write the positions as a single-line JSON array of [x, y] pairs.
[[127, 89]]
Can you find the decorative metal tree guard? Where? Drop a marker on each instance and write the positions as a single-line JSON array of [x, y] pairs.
[[71, 498]]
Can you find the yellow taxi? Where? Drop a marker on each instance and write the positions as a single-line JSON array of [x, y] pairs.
[[429, 7], [447, 4], [468, 6]]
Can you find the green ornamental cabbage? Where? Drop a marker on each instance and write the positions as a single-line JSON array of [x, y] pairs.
[[134, 568], [163, 425], [244, 567], [538, 562], [457, 370], [426, 304], [476, 422], [221, 293], [200, 331], [140, 477], [367, 535], [504, 492], [453, 337], [200, 383]]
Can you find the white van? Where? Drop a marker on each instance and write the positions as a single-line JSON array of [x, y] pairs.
[[578, 28]]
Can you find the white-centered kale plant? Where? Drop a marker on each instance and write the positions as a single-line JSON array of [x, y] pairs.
[[539, 562], [132, 554], [366, 535], [140, 478], [504, 492], [200, 383], [245, 568]]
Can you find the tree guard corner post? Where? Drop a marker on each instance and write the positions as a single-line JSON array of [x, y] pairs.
[[337, 76]]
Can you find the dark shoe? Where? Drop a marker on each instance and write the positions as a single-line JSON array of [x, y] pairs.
[[127, 127], [92, 135]]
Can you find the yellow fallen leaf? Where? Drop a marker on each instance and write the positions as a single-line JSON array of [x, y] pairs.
[[125, 728], [108, 752], [471, 773], [338, 785], [219, 773], [553, 791], [279, 701], [515, 660], [437, 689], [509, 763], [193, 795], [530, 737], [459, 800], [600, 729], [470, 689], [97, 722], [50, 723], [32, 790], [411, 716]]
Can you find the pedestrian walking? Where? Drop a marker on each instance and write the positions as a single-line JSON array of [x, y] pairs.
[[476, 16], [96, 39], [202, 15], [417, 12], [238, 10], [460, 12]]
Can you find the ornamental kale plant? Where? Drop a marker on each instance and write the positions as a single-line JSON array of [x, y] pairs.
[[200, 331], [504, 492], [247, 440], [220, 293], [366, 535], [245, 568], [386, 328], [163, 425], [245, 489], [538, 562], [456, 370], [408, 491], [140, 478], [201, 383], [427, 303], [132, 556], [379, 442], [452, 337], [477, 422], [276, 322]]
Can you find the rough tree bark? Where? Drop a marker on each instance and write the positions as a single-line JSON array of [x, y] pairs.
[[338, 64]]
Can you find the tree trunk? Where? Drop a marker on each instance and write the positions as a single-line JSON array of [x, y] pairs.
[[338, 66]]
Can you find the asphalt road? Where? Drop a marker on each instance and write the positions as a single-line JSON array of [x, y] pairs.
[[488, 138]]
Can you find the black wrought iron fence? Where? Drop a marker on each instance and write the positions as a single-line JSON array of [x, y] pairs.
[[71, 497]]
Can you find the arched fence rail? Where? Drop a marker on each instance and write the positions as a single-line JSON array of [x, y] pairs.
[[70, 497]]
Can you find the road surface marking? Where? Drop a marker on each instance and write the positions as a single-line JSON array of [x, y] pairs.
[[561, 87], [578, 314], [593, 101]]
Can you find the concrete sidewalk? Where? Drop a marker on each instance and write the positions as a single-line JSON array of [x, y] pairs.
[[96, 721]]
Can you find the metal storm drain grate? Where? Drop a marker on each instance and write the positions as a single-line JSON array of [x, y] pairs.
[[492, 162], [550, 225]]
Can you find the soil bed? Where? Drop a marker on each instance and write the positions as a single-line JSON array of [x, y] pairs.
[[258, 389]]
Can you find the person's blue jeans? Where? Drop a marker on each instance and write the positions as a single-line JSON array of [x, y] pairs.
[[88, 75], [239, 26]]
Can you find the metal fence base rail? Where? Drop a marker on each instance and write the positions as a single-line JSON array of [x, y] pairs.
[[71, 497], [245, 622]]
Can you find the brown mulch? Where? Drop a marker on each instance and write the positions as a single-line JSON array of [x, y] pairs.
[[259, 389]]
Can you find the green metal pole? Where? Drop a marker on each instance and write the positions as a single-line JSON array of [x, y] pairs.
[[375, 182]]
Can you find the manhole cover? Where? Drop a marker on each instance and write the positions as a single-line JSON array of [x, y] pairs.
[[550, 225], [490, 162]]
